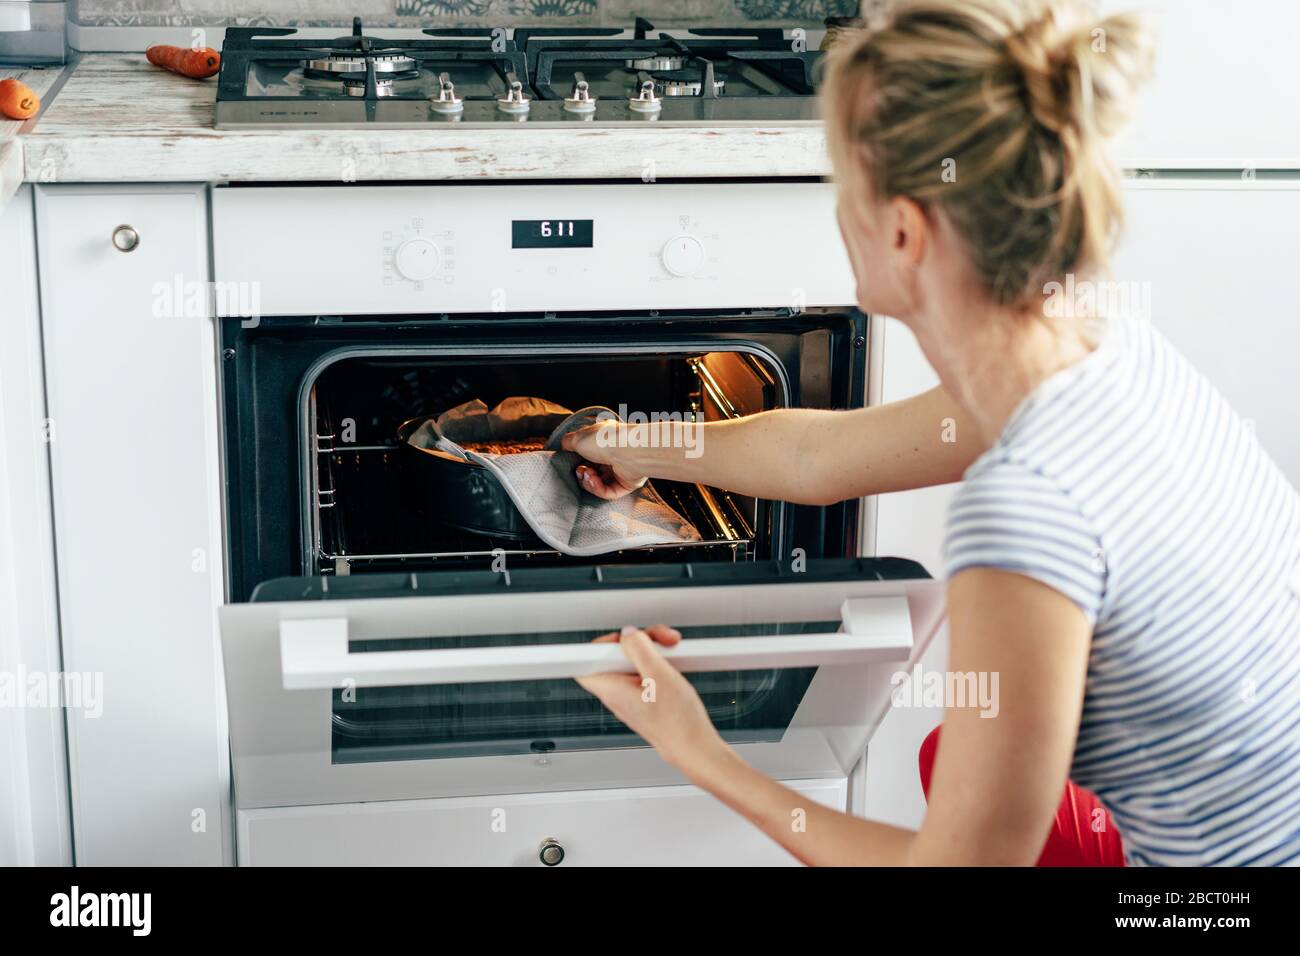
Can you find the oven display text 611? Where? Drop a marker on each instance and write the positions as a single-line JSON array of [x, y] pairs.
[[551, 234]]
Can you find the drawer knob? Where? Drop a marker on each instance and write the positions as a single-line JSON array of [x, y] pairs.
[[550, 852], [125, 239]]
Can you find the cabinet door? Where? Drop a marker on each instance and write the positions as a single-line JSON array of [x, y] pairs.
[[641, 826], [1217, 257], [909, 524], [1226, 88], [135, 472], [33, 807]]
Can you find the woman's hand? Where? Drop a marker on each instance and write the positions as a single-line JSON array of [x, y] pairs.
[[598, 473], [657, 702]]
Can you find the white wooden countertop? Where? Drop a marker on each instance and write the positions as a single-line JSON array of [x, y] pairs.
[[119, 119], [12, 170]]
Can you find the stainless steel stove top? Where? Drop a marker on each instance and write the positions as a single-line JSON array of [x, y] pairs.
[[490, 76]]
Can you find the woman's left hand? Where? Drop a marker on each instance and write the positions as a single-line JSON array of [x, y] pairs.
[[657, 702]]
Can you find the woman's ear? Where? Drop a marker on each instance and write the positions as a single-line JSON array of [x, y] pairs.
[[909, 232]]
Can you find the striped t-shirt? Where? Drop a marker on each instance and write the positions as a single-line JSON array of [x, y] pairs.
[[1128, 484]]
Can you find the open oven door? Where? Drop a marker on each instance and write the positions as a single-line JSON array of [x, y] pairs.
[[393, 687]]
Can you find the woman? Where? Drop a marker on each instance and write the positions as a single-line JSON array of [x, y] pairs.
[[1122, 552]]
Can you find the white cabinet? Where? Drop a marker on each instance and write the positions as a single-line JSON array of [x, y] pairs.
[[33, 784], [646, 826], [1226, 90], [909, 524], [136, 493], [1217, 258]]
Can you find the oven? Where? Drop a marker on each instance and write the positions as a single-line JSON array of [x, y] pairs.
[[376, 651]]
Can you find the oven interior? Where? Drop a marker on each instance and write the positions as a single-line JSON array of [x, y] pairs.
[[361, 517]]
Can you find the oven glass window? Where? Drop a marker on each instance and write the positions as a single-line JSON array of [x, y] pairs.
[[521, 717], [371, 510]]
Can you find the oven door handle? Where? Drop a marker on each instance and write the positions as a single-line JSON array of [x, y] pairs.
[[314, 653]]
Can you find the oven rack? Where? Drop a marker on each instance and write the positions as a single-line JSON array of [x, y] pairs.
[[357, 507]]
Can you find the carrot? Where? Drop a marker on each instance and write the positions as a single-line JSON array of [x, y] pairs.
[[17, 100], [199, 64]]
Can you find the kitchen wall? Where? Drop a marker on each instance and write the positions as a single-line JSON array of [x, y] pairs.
[[400, 13]]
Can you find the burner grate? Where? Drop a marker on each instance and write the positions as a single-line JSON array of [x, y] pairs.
[[486, 76]]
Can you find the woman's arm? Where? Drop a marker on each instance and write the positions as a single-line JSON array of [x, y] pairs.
[[997, 780], [804, 455]]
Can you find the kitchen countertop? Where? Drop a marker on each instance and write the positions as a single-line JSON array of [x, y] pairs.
[[12, 171], [119, 119]]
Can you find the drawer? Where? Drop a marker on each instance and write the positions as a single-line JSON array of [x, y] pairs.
[[648, 826]]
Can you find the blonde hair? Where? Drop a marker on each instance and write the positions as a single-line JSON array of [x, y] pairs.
[[997, 112]]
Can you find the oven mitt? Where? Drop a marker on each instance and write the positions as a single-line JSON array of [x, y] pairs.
[[542, 484]]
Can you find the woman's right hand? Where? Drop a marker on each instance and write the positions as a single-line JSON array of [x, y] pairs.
[[599, 472]]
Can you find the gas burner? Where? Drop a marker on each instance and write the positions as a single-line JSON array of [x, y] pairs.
[[347, 63], [393, 66], [356, 86], [684, 83], [657, 64], [486, 77]]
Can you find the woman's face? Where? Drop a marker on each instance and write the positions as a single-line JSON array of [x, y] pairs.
[[884, 245]]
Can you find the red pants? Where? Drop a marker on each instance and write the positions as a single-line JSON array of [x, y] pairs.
[[1073, 840]]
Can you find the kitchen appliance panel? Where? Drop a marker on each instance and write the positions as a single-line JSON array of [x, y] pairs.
[[448, 249], [349, 683], [522, 78]]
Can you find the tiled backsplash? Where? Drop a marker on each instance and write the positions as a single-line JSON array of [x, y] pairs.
[[400, 13]]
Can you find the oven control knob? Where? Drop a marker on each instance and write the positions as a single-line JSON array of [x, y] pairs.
[[550, 852], [417, 260], [683, 256]]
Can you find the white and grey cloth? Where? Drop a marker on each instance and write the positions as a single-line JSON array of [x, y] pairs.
[[542, 484]]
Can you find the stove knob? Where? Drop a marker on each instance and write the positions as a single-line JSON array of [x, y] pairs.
[[645, 101], [580, 99], [446, 101], [417, 260], [683, 256], [515, 101]]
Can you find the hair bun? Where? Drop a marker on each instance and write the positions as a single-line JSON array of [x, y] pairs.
[[1020, 96], [1080, 74]]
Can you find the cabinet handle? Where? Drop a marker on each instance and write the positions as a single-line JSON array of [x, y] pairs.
[[550, 852], [125, 239]]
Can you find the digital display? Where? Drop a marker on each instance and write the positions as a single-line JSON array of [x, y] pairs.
[[550, 234]]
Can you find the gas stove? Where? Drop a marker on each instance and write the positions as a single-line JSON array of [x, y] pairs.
[[491, 76]]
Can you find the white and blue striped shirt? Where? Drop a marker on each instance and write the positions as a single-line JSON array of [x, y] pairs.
[[1129, 485]]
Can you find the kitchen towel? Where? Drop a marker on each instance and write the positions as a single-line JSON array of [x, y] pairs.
[[542, 484]]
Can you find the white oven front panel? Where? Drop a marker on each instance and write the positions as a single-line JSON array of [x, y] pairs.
[[354, 250], [285, 661]]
